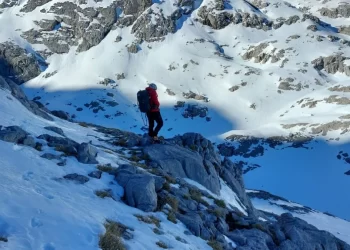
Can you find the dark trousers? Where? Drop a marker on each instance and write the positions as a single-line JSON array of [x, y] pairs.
[[154, 117]]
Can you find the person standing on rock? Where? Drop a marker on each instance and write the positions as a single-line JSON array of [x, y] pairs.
[[153, 114]]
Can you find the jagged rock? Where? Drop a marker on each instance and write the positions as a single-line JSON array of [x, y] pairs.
[[232, 175], [60, 114], [136, 7], [18, 93], [87, 154], [8, 3], [80, 179], [251, 239], [140, 189], [184, 163], [55, 129], [33, 4], [302, 235], [152, 25], [292, 20], [47, 25], [342, 10], [332, 64], [16, 62], [344, 29], [95, 174], [120, 76], [347, 173], [285, 86], [226, 150], [13, 134]]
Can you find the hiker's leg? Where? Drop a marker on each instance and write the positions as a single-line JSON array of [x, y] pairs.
[[159, 120], [150, 124]]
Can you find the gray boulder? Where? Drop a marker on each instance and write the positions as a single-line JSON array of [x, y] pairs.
[[140, 189], [95, 174], [87, 154], [55, 129], [192, 221], [184, 163], [77, 178], [60, 114], [50, 156], [13, 134], [344, 29]]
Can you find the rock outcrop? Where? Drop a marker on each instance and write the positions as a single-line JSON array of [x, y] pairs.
[[89, 24], [153, 25], [332, 64], [16, 64], [342, 10]]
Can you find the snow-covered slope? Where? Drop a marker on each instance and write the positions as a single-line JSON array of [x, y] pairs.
[[256, 66]]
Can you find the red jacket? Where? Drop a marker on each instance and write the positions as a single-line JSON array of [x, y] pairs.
[[153, 99]]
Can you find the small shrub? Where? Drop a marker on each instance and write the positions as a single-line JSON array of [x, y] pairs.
[[172, 217], [65, 150], [83, 124], [215, 245], [197, 196], [173, 202], [162, 245], [145, 157], [103, 193], [170, 179], [259, 227], [3, 239], [111, 240], [217, 212], [186, 196], [148, 219], [178, 238], [193, 147], [38, 146], [107, 168], [220, 203], [121, 142], [166, 186], [134, 158]]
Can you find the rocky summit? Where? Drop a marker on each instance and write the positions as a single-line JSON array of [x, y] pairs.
[[254, 152]]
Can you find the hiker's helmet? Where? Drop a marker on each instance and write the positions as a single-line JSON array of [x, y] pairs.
[[153, 86]]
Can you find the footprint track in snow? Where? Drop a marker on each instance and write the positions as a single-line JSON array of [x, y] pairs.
[[48, 246], [36, 222], [28, 176], [44, 193]]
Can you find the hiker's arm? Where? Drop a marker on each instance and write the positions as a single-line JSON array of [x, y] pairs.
[[154, 99]]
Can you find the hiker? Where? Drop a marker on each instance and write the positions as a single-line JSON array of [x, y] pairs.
[[153, 114]]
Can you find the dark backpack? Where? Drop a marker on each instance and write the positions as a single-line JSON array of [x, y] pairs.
[[143, 100]]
